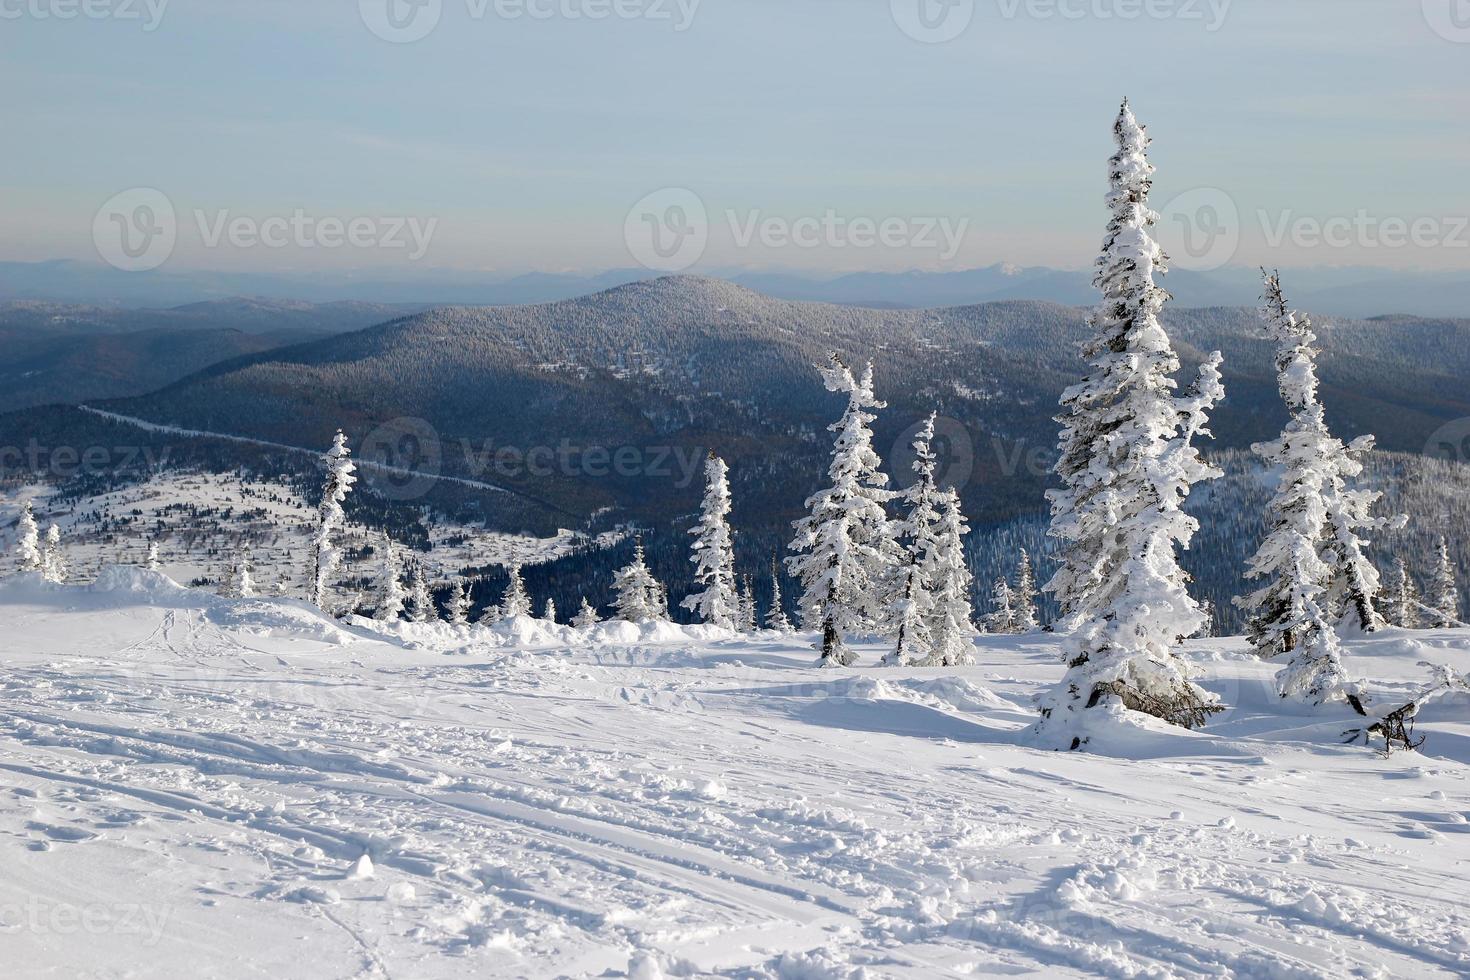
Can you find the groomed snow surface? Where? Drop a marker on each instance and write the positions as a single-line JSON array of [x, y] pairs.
[[199, 787]]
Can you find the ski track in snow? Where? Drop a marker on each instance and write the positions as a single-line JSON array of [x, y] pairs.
[[714, 808]]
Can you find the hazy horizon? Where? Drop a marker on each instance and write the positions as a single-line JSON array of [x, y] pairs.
[[531, 135]]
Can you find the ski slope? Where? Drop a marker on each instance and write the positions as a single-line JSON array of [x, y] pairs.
[[201, 787]]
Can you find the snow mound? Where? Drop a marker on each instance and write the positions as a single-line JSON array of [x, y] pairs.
[[268, 617], [622, 633], [957, 693], [126, 582]]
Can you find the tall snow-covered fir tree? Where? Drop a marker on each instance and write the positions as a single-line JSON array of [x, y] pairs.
[[28, 539], [460, 604], [586, 616], [951, 619], [152, 562], [1023, 595], [548, 613], [1292, 604], [516, 601], [389, 598], [1402, 607], [843, 553], [1352, 588], [242, 579], [912, 604], [714, 552], [421, 607], [776, 620], [326, 556], [1002, 616], [1127, 464], [1444, 592], [637, 594], [749, 620], [53, 559]]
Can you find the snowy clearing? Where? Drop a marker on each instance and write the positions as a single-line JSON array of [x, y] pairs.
[[201, 787]]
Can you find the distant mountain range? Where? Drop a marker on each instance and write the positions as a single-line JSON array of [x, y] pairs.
[[55, 353], [665, 370], [1350, 292]]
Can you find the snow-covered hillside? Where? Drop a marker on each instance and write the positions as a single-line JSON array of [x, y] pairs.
[[200, 521], [195, 786]]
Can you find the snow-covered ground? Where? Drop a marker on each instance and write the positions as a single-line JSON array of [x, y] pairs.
[[193, 786]]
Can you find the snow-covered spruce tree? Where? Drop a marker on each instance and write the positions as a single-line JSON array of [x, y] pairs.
[[1352, 589], [951, 618], [714, 552], [1211, 627], [843, 551], [389, 592], [460, 604], [1444, 592], [1403, 598], [586, 616], [242, 581], [516, 602], [1127, 463], [912, 604], [549, 612], [1002, 617], [326, 556], [637, 595], [1315, 673], [53, 559], [776, 620], [749, 620], [1023, 596], [28, 540], [1306, 456], [420, 600], [153, 563], [742, 606]]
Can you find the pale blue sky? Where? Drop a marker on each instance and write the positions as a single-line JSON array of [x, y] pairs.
[[529, 140]]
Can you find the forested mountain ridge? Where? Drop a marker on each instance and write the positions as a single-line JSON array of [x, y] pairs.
[[702, 363]]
